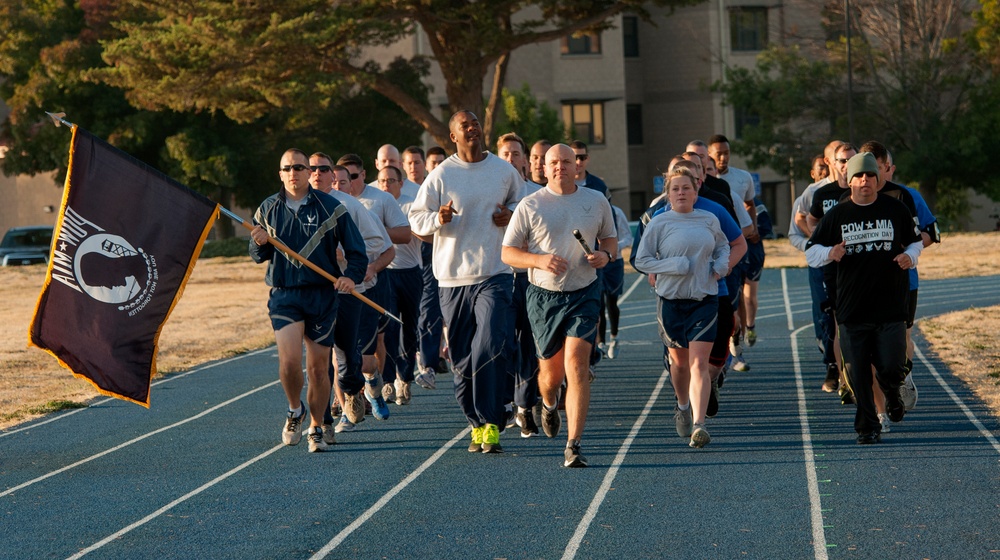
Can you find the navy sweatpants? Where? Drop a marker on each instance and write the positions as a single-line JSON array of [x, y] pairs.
[[477, 318]]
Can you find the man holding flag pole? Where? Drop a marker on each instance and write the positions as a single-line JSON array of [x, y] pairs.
[[302, 306]]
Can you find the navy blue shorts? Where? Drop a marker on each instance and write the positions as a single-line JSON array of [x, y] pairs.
[[554, 316], [683, 321], [613, 277], [755, 261], [368, 322], [314, 306]]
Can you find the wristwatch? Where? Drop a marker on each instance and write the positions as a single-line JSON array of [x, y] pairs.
[[611, 258]]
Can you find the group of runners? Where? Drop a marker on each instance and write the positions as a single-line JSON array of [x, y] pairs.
[[506, 264]]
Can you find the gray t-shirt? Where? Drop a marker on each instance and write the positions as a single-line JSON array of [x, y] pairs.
[[684, 250], [544, 222]]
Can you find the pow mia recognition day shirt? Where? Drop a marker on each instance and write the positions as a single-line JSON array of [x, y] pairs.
[[871, 287]]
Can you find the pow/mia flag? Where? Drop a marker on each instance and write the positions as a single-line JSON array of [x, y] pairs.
[[125, 243]]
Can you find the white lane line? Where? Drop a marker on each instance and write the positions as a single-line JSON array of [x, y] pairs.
[[639, 325], [639, 279], [136, 440], [787, 298], [160, 382], [815, 503], [581, 530], [961, 405], [337, 540], [174, 503]]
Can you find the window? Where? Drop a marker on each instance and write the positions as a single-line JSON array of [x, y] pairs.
[[748, 28], [581, 43], [743, 118], [584, 121], [630, 36], [633, 122]]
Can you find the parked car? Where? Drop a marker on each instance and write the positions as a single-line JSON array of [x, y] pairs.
[[26, 245]]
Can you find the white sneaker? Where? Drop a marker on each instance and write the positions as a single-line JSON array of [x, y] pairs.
[[426, 379], [344, 425], [613, 348], [388, 393], [290, 434], [328, 434], [883, 418], [316, 440], [908, 392], [602, 348], [402, 392]]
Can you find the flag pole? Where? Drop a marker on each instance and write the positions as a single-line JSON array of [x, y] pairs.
[[57, 119], [315, 268]]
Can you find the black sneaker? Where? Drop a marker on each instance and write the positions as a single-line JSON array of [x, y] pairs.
[[894, 406], [846, 395], [869, 438], [526, 420], [713, 401], [442, 366], [832, 378], [550, 421], [574, 459]]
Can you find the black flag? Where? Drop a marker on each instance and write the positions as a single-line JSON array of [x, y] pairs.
[[126, 241]]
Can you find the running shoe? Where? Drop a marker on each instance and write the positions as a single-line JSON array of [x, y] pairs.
[[699, 437], [894, 406], [846, 395], [426, 378], [832, 378], [751, 335], [477, 440], [908, 392], [380, 409], [602, 348], [526, 421], [869, 438], [291, 435], [316, 440], [442, 365], [574, 459], [739, 364], [883, 419], [550, 422], [713, 400], [329, 435], [613, 348], [403, 394], [510, 412], [682, 421], [491, 439], [354, 409], [389, 393], [344, 425]]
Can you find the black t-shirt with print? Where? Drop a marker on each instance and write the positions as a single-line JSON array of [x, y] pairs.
[[871, 287]]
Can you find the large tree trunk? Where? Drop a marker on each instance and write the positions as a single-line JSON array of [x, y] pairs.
[[499, 77]]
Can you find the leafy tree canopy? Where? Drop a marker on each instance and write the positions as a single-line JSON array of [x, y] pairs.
[[924, 84], [249, 58]]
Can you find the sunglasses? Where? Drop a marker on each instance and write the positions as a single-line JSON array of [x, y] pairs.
[[842, 160], [581, 157], [321, 168], [354, 176], [296, 167], [867, 174]]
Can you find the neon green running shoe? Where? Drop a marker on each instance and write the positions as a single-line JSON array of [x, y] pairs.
[[477, 440], [491, 439]]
